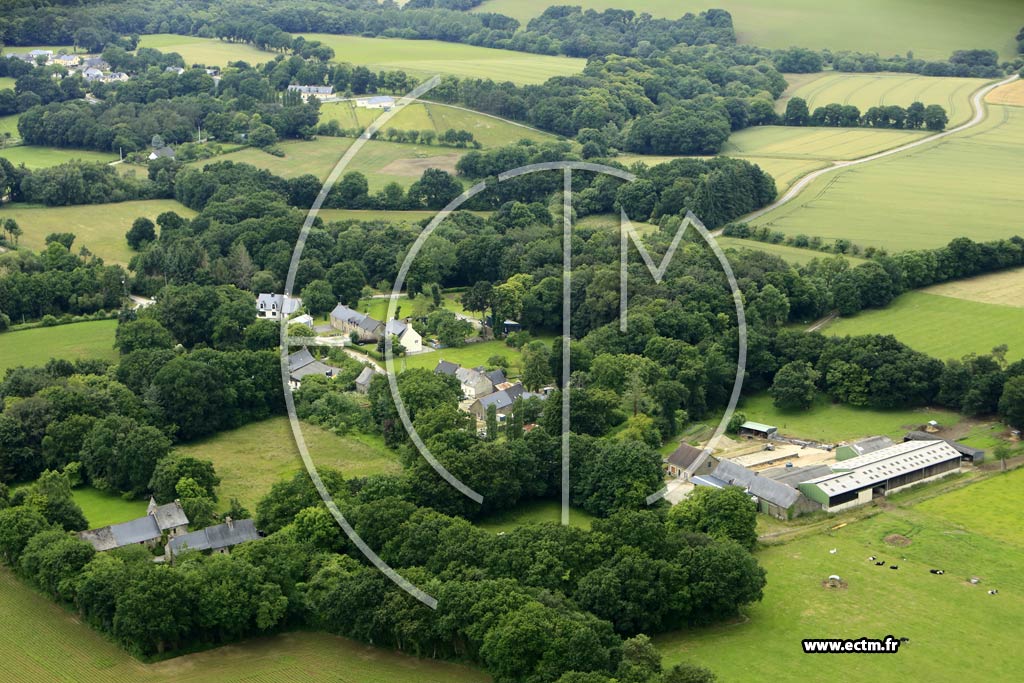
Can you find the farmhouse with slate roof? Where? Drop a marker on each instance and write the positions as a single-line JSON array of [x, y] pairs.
[[147, 531], [219, 539]]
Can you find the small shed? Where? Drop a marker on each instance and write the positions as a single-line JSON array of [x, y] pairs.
[[363, 380], [758, 430], [682, 458]]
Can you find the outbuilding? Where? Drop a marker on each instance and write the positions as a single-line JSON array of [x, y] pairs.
[[758, 430]]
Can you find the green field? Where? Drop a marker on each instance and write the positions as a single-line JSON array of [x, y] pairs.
[[381, 162], [90, 339], [957, 631], [794, 255], [251, 459], [424, 58], [9, 124], [877, 89], [100, 227], [926, 322], [6, 83], [931, 28], [534, 512], [206, 51], [44, 157], [102, 508], [42, 643], [833, 422], [489, 131], [470, 356], [330, 215], [378, 308], [965, 184]]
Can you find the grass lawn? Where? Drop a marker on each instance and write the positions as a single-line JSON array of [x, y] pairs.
[[963, 185], [429, 57], [957, 631], [9, 124], [381, 162], [931, 28], [378, 308], [251, 459], [534, 512], [102, 508], [923, 322], [1005, 287], [876, 89], [90, 339], [43, 642], [7, 83], [206, 51], [832, 422], [489, 131], [794, 255], [44, 157], [101, 227], [469, 356]]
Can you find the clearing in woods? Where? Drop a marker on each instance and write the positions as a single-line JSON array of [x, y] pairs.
[[43, 157], [789, 254], [251, 459], [489, 131], [1005, 287], [102, 507], [956, 630], [923, 322], [206, 51], [878, 89], [100, 227], [35, 346], [42, 640], [932, 29], [962, 185], [381, 162], [424, 58]]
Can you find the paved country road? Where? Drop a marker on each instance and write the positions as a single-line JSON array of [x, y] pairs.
[[980, 113]]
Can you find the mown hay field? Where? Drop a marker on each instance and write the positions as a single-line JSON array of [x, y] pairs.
[[1005, 287], [206, 51], [35, 346]]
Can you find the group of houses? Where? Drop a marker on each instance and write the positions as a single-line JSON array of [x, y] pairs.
[[94, 69], [313, 92], [483, 388], [168, 524], [862, 471], [368, 330]]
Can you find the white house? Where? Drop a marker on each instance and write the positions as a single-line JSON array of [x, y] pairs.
[[409, 338], [317, 92], [271, 306]]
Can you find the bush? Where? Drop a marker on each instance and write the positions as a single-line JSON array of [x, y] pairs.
[[48, 321]]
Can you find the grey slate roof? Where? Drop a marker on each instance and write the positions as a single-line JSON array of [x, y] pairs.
[[215, 537], [365, 377], [396, 327], [300, 359], [684, 456], [136, 531], [774, 492], [733, 474], [312, 89], [167, 516], [791, 476], [272, 302], [360, 320], [164, 152], [314, 368], [446, 368], [496, 376]]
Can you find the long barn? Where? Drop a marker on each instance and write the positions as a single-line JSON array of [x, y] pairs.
[[857, 481]]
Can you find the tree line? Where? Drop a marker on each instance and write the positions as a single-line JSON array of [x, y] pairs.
[[932, 117]]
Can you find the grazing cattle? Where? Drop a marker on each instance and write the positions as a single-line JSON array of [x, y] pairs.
[[936, 571], [880, 564], [892, 566], [872, 558], [993, 592], [833, 551], [904, 640]]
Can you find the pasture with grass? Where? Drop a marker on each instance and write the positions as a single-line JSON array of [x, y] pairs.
[[102, 507], [425, 58], [251, 459], [205, 51], [100, 227], [44, 157], [35, 346], [924, 322], [956, 630]]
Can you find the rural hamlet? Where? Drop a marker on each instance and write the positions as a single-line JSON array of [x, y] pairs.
[[511, 341]]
